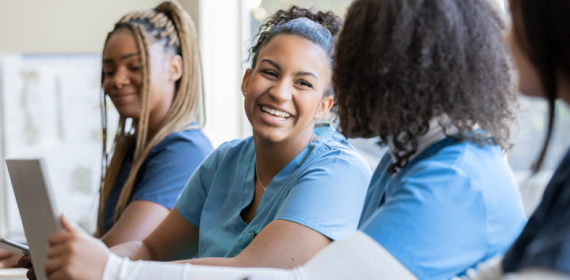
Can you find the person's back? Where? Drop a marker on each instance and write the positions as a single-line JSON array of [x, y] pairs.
[[453, 205]]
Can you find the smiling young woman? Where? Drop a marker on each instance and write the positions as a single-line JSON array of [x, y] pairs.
[[271, 200], [151, 73]]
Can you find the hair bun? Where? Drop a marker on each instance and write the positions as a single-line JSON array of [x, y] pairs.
[[328, 20]]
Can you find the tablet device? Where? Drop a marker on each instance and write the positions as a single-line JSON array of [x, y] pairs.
[[37, 208], [14, 247]]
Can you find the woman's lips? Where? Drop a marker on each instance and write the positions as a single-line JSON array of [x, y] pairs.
[[122, 97], [273, 116]]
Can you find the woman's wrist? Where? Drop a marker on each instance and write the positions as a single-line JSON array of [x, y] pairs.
[[113, 267]]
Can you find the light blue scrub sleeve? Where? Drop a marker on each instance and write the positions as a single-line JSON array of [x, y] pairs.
[[191, 201], [328, 197], [433, 223]]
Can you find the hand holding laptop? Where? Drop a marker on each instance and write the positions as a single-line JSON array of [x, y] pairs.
[[8, 259], [74, 254]]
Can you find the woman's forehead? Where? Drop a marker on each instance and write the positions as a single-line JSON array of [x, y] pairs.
[[297, 53], [119, 43]]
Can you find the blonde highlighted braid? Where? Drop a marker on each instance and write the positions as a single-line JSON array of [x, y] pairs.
[[169, 22]]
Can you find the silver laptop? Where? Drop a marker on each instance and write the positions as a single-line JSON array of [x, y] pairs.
[[38, 209]]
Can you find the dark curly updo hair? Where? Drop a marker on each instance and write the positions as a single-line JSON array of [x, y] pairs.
[[318, 27], [401, 63]]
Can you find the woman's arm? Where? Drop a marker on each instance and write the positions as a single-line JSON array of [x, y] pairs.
[[139, 220], [174, 239], [281, 244], [355, 257]]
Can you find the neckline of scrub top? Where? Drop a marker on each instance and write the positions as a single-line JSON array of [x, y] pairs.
[[323, 131], [428, 152]]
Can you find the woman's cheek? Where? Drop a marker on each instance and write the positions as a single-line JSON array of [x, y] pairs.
[[529, 82]]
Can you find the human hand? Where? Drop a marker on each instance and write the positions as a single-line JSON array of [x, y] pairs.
[[26, 262], [8, 259], [75, 255]]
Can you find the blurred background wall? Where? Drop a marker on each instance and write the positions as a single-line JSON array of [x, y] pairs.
[[66, 26]]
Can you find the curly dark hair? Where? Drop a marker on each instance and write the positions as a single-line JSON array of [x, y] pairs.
[[400, 63], [318, 27]]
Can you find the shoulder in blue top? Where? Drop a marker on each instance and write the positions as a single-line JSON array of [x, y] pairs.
[[454, 205], [164, 172], [322, 188]]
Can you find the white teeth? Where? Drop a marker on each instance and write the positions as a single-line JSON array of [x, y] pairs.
[[275, 113]]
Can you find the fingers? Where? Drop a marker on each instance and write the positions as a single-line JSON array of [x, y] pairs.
[[25, 261], [53, 264], [57, 251], [5, 254], [59, 275], [10, 262], [69, 226], [31, 274], [58, 238]]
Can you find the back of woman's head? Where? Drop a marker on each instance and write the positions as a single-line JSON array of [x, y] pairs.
[[317, 27], [541, 29], [167, 24], [400, 63]]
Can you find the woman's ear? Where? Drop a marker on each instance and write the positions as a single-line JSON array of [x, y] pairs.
[[324, 107], [175, 67], [245, 80]]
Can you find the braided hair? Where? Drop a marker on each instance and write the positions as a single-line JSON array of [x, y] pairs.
[[317, 27], [168, 23]]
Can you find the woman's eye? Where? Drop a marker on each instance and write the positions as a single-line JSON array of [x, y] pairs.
[[305, 84], [136, 68], [108, 73], [269, 72]]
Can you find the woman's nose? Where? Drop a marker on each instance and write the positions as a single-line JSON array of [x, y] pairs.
[[121, 79], [281, 92]]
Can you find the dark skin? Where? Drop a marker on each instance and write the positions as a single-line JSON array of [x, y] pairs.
[[279, 81], [122, 82]]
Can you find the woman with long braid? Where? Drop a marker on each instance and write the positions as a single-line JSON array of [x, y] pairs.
[[151, 72]]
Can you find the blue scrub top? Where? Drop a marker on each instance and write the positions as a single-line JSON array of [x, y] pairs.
[[545, 241], [164, 172], [322, 188], [454, 205]]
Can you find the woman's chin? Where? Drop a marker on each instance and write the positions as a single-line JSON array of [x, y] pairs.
[[129, 113], [270, 135]]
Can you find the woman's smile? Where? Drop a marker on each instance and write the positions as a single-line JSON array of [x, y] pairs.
[[123, 97], [273, 115]]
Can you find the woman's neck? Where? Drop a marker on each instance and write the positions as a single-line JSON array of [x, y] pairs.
[[434, 134], [154, 124], [272, 157]]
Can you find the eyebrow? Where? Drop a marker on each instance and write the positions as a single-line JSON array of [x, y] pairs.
[[109, 60], [300, 73]]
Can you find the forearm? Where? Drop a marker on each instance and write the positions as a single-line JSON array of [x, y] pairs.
[[123, 269], [135, 250], [355, 257]]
